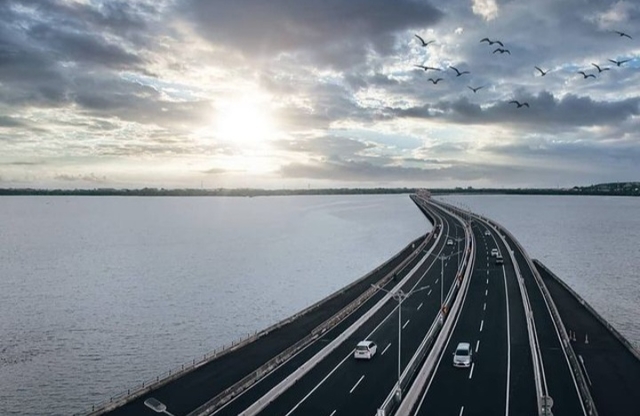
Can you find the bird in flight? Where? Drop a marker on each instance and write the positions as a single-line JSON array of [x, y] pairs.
[[600, 69], [435, 81], [423, 43], [475, 89], [618, 63], [519, 104], [586, 75], [501, 50], [491, 42], [458, 72], [622, 34], [426, 68], [542, 73]]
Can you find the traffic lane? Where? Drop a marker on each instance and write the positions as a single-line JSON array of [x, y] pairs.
[[612, 371], [482, 323], [419, 311], [559, 377], [522, 390]]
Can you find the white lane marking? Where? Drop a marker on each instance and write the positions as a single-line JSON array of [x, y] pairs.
[[487, 272], [419, 306], [506, 300], [385, 350], [486, 291], [437, 280], [429, 292], [461, 411], [356, 385], [333, 413], [406, 323], [484, 307], [470, 373], [487, 280], [477, 345], [481, 325]]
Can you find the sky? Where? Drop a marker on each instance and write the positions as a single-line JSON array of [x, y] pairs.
[[314, 94]]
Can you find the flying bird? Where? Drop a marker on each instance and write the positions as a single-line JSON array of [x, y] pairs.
[[475, 89], [435, 81], [458, 72], [491, 42], [600, 69], [622, 34], [542, 73], [426, 68], [519, 104], [501, 50], [618, 63], [586, 75], [423, 42]]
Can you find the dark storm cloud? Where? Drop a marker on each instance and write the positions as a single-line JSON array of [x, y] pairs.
[[334, 30], [10, 122], [545, 111]]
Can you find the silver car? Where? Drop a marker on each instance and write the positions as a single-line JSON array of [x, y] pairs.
[[463, 356]]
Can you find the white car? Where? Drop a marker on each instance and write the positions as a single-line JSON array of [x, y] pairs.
[[365, 350], [487, 233], [463, 356], [449, 242], [494, 252]]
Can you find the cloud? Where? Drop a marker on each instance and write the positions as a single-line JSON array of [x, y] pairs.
[[331, 31], [91, 177], [488, 9]]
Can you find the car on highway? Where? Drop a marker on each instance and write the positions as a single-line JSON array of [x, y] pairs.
[[463, 356], [449, 242], [365, 350], [494, 252], [499, 259]]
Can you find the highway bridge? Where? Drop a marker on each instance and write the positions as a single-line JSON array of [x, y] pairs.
[[528, 331]]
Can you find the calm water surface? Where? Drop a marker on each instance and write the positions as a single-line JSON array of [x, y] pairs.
[[100, 293]]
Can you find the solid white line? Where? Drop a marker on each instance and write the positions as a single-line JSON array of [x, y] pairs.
[[471, 372], [461, 411], [385, 350], [477, 345], [585, 369], [419, 306], [333, 413], [406, 323], [481, 325], [356, 385]]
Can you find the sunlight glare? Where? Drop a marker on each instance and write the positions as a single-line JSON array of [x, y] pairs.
[[244, 122]]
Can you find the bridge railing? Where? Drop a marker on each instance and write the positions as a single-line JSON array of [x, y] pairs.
[[160, 380]]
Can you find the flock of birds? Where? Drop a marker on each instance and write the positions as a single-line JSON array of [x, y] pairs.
[[502, 50]]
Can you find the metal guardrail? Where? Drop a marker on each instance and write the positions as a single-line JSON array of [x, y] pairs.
[[160, 380]]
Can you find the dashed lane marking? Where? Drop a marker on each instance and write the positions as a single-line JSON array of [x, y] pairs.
[[484, 307], [333, 413], [481, 325], [356, 385], [406, 323], [461, 411], [419, 306], [385, 350], [477, 345], [470, 373], [429, 292]]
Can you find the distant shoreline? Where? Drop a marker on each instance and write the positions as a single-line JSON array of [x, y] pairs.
[[613, 189]]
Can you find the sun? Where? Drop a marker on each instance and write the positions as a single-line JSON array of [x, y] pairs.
[[244, 121]]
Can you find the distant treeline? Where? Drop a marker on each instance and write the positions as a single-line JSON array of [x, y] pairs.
[[618, 188]]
